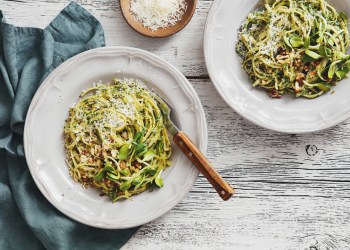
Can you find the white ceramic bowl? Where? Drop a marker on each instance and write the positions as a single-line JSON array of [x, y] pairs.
[[44, 141], [288, 114]]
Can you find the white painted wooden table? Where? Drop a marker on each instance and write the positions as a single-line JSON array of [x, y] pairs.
[[292, 190]]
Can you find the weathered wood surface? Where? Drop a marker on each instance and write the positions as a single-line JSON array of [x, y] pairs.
[[292, 191], [183, 50]]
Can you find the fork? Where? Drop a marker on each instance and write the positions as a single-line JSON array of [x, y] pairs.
[[192, 152]]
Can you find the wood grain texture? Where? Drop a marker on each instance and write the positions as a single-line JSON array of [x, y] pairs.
[[292, 191], [184, 50]]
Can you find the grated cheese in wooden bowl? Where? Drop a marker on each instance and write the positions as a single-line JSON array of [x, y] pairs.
[[156, 14]]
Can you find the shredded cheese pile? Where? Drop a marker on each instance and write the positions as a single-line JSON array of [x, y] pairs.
[[156, 14]]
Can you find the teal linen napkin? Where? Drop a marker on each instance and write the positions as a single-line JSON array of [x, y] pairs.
[[27, 56]]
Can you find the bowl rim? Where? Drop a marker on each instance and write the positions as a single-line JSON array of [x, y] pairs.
[[231, 104], [133, 223]]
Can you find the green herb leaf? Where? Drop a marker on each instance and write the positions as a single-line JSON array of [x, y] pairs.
[[346, 67], [312, 54], [125, 171], [296, 41], [125, 185], [108, 164], [108, 168], [341, 74], [313, 40], [149, 155], [151, 172], [332, 70], [306, 58], [99, 176], [112, 176], [325, 52], [340, 55], [141, 149], [138, 186], [323, 86], [286, 40], [159, 181], [137, 180], [137, 138], [124, 152]]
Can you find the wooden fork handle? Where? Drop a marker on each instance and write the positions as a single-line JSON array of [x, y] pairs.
[[203, 165]]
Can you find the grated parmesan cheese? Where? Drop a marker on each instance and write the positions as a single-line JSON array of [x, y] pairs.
[[155, 14]]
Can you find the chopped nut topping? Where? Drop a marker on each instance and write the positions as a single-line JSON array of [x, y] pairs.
[[273, 93], [138, 165], [313, 73], [281, 51], [316, 63], [122, 164], [300, 78]]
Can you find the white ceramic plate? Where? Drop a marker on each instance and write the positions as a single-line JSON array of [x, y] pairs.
[[288, 114], [44, 143]]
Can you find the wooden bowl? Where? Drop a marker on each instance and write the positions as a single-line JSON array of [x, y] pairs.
[[162, 32]]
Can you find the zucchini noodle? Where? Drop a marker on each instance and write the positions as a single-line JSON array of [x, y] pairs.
[[295, 46], [115, 139]]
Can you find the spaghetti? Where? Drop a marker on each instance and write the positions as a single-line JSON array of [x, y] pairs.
[[295, 46], [115, 139]]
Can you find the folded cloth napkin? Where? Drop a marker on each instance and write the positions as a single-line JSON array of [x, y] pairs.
[[27, 55]]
